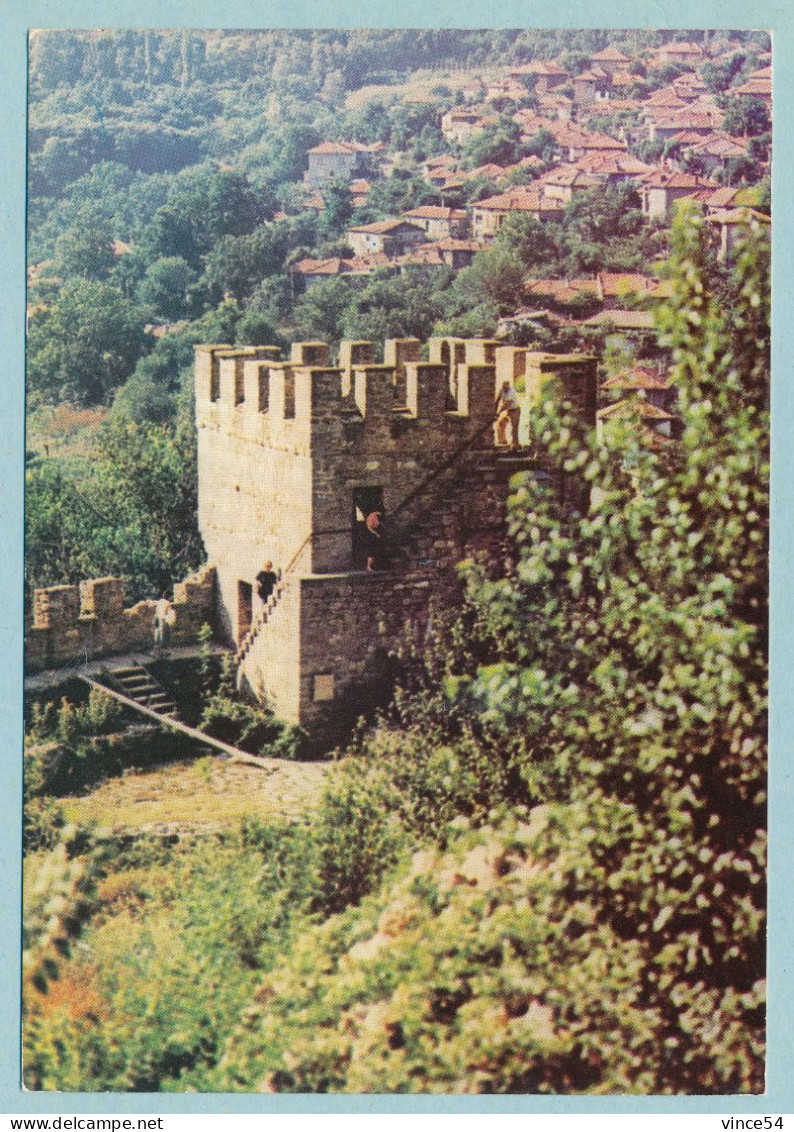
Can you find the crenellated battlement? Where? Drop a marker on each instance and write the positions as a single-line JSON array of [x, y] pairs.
[[304, 404], [91, 620], [297, 404]]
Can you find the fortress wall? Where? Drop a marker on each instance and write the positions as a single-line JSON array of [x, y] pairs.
[[271, 669], [254, 505], [570, 376], [72, 622]]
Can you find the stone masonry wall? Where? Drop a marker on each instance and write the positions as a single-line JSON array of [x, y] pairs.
[[90, 620], [285, 450]]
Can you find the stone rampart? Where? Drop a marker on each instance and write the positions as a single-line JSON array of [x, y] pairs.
[[90, 620]]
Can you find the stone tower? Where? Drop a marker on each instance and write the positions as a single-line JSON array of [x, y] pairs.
[[292, 456]]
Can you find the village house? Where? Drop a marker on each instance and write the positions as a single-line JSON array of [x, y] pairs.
[[437, 221], [701, 122], [448, 252], [540, 77], [613, 168], [655, 425], [661, 188], [342, 161], [489, 215], [460, 126], [443, 163], [578, 296], [730, 226], [712, 152], [684, 54], [562, 182], [574, 141], [759, 85], [617, 289], [385, 237], [610, 60], [589, 86], [657, 390], [307, 272]]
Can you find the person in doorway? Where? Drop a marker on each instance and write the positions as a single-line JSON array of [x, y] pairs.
[[266, 582], [374, 524], [508, 412]]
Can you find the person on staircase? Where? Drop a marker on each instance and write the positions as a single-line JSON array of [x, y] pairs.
[[508, 412], [266, 582]]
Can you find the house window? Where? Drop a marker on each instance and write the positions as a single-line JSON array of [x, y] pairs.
[[323, 687]]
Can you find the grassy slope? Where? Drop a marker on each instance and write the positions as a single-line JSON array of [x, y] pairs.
[[199, 795]]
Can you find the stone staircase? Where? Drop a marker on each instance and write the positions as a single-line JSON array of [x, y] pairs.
[[259, 622], [138, 684]]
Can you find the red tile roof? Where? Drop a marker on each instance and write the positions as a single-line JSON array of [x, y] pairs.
[[627, 409], [570, 176], [383, 227], [610, 55], [562, 290], [619, 283], [519, 199], [613, 163], [754, 87], [740, 216], [673, 179], [334, 147], [435, 212], [637, 378]]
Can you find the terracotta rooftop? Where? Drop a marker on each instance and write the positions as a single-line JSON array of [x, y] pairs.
[[622, 319], [562, 290], [665, 97], [435, 212], [673, 179], [334, 147], [623, 410], [519, 199], [619, 283], [606, 163], [683, 48], [383, 227], [570, 176], [754, 88], [740, 216], [610, 55], [637, 379], [354, 265]]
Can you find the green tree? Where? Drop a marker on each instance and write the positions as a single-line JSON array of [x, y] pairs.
[[338, 207], [86, 344], [165, 287], [746, 117], [495, 276], [86, 249], [499, 144]]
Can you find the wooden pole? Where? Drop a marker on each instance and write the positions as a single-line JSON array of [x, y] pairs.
[[166, 721]]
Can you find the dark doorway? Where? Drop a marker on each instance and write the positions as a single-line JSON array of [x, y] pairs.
[[245, 608], [365, 501]]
